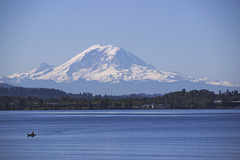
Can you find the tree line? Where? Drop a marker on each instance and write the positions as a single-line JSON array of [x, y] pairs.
[[195, 99], [43, 93], [46, 93]]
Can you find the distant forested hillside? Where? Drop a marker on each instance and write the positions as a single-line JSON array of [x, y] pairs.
[[46, 93], [43, 93]]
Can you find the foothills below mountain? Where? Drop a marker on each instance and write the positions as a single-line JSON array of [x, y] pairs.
[[110, 70]]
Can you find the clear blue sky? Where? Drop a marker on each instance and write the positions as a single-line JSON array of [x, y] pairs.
[[199, 38]]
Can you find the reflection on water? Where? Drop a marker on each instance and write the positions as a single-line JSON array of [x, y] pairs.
[[118, 135]]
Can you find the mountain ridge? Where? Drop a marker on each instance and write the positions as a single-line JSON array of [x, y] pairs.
[[105, 64]]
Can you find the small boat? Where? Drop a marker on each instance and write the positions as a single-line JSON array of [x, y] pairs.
[[31, 134]]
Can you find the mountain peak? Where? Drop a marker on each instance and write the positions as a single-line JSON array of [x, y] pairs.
[[44, 66], [41, 69], [101, 47], [110, 50]]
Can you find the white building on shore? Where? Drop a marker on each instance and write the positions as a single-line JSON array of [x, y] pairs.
[[154, 106]]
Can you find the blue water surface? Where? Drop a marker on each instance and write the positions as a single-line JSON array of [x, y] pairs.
[[120, 135]]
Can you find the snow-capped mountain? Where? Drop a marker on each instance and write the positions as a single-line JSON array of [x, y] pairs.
[[101, 63], [105, 65]]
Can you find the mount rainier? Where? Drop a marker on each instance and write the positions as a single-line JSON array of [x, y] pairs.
[[108, 69]]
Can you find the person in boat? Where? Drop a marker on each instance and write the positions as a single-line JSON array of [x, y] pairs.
[[31, 134]]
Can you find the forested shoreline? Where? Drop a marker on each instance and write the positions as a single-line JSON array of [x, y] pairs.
[[19, 98]]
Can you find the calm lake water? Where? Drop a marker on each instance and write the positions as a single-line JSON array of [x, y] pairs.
[[121, 135]]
